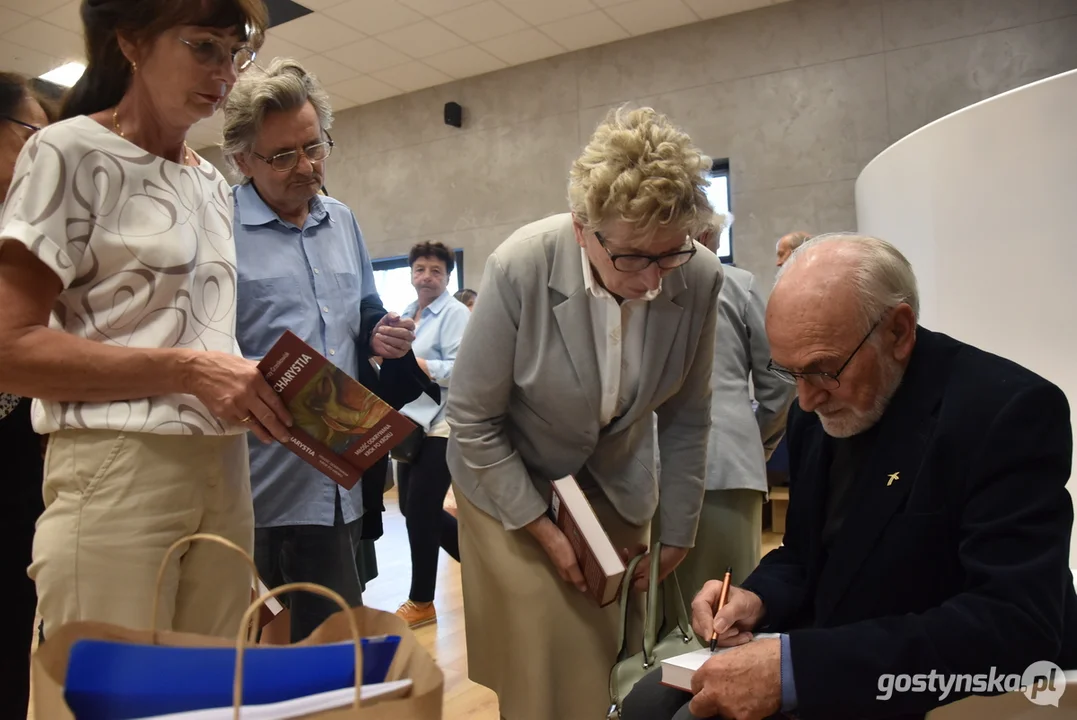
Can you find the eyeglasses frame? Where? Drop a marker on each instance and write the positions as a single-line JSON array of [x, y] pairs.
[[652, 259], [231, 53], [269, 160], [28, 126], [792, 377]]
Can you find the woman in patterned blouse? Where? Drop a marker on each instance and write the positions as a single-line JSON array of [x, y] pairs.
[[117, 314]]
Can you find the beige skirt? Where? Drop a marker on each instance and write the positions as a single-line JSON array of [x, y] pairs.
[[544, 647]]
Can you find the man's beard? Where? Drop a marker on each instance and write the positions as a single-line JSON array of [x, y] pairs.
[[852, 421]]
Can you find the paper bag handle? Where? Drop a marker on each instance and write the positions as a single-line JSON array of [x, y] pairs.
[[253, 633], [237, 683]]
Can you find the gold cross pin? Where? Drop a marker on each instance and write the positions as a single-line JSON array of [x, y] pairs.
[[893, 477]]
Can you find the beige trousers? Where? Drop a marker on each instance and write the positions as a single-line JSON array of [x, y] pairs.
[[544, 647], [115, 502]]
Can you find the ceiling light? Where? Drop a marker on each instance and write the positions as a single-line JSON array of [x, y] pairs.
[[66, 75]]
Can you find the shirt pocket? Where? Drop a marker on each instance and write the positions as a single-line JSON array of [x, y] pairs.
[[349, 299], [265, 308]]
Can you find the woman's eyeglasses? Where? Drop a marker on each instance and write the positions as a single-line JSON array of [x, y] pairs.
[[28, 126], [634, 262], [214, 54]]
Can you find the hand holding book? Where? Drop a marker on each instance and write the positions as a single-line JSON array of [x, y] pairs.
[[235, 391], [559, 549]]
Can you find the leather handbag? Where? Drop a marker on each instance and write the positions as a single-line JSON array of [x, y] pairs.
[[409, 448], [658, 643]]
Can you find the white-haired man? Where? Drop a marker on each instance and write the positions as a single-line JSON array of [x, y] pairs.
[[302, 267], [929, 523]]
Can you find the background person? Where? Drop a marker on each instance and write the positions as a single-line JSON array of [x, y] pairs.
[[741, 440], [424, 482], [788, 243], [21, 115], [468, 297]]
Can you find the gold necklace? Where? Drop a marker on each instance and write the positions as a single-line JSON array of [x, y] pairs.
[[119, 131]]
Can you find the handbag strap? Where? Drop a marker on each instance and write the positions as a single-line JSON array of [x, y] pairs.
[[650, 622], [683, 621], [626, 586]]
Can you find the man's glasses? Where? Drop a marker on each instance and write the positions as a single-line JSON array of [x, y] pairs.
[[28, 126], [285, 161], [631, 262], [214, 54], [821, 379]]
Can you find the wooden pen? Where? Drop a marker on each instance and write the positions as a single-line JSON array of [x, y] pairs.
[[726, 582]]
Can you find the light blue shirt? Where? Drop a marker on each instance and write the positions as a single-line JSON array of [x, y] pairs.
[[310, 280], [437, 340]]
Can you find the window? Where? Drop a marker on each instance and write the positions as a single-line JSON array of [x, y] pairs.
[[393, 279], [718, 195]]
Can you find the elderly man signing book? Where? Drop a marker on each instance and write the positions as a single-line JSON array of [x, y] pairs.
[[929, 522]]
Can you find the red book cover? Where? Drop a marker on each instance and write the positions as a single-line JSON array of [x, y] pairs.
[[599, 562], [340, 427]]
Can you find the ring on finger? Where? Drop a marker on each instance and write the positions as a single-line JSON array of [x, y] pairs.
[[244, 420]]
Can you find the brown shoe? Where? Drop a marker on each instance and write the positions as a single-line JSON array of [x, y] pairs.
[[417, 614]]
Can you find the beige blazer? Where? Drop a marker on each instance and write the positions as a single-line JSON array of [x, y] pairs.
[[524, 400]]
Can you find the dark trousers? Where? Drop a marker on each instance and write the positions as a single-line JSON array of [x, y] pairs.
[[423, 487], [21, 468], [311, 553]]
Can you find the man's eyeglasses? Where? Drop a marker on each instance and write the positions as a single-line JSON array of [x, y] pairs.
[[285, 161], [821, 379], [632, 262], [28, 126], [214, 54]]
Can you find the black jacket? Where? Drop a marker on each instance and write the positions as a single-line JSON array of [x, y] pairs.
[[400, 381], [958, 565]]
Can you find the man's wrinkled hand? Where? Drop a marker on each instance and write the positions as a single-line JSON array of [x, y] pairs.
[[743, 683]]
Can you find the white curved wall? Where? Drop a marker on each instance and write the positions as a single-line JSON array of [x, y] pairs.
[[983, 202]]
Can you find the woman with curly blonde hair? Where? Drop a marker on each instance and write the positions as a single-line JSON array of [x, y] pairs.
[[593, 322]]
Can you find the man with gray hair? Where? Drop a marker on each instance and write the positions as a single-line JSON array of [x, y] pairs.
[[929, 523], [302, 267], [788, 243]]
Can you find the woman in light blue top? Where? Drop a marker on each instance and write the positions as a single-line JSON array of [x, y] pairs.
[[440, 320]]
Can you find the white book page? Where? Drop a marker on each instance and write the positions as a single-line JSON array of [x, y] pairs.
[[695, 659]]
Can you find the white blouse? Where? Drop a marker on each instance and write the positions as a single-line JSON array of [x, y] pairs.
[[145, 251]]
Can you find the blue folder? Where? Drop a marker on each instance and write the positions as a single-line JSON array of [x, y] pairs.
[[122, 681]]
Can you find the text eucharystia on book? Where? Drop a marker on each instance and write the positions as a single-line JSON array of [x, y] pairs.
[[339, 426]]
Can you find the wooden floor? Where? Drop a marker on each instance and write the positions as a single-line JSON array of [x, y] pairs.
[[464, 700]]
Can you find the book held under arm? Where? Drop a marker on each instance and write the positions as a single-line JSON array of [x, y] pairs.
[[601, 565], [340, 427]]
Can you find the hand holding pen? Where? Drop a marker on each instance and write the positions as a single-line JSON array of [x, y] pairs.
[[724, 614], [726, 582]]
